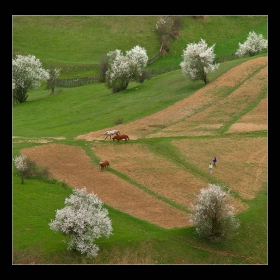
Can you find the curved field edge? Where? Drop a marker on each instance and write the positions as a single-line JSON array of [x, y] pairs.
[[169, 184], [236, 158]]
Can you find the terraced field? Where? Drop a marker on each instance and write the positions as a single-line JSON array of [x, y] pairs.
[[159, 189]]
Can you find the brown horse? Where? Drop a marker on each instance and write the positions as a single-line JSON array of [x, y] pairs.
[[120, 137], [104, 164]]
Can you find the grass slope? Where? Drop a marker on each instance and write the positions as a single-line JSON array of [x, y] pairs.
[[74, 111], [76, 43]]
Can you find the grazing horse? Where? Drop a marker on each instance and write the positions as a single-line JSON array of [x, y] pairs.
[[104, 164], [120, 137], [111, 132]]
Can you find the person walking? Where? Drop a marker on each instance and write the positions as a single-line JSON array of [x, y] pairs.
[[214, 161], [210, 168]]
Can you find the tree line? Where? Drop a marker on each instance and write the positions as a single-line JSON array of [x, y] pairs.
[[117, 70]]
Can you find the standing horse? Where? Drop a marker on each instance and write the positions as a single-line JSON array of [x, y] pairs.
[[104, 164], [120, 137], [111, 132]]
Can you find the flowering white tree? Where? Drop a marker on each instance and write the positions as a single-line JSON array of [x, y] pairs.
[[212, 216], [27, 74], [21, 165], [198, 60], [82, 221], [124, 68], [138, 57], [254, 44]]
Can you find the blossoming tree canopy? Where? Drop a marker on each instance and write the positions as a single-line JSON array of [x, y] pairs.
[[124, 68], [253, 45], [82, 220], [27, 74], [198, 60]]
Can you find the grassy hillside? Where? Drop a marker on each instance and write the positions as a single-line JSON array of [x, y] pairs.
[[67, 114], [76, 43], [45, 119], [79, 110]]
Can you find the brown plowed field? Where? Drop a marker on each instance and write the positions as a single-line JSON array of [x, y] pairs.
[[160, 184]]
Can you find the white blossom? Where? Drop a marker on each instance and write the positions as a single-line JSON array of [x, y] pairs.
[[164, 26], [212, 216], [120, 68], [137, 57], [161, 22], [28, 72], [198, 60], [123, 68], [21, 166], [82, 220], [20, 163], [253, 45]]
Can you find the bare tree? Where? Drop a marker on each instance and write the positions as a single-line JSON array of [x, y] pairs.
[[51, 82]]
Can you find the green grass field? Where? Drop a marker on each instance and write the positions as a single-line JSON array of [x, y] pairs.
[[76, 44]]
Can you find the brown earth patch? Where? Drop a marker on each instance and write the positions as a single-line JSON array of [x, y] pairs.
[[152, 171], [242, 163], [257, 119], [72, 165], [156, 173]]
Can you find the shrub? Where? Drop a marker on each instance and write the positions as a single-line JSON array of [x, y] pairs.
[[124, 68], [82, 221], [212, 216], [27, 74], [21, 166], [252, 46], [119, 121], [28, 169]]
